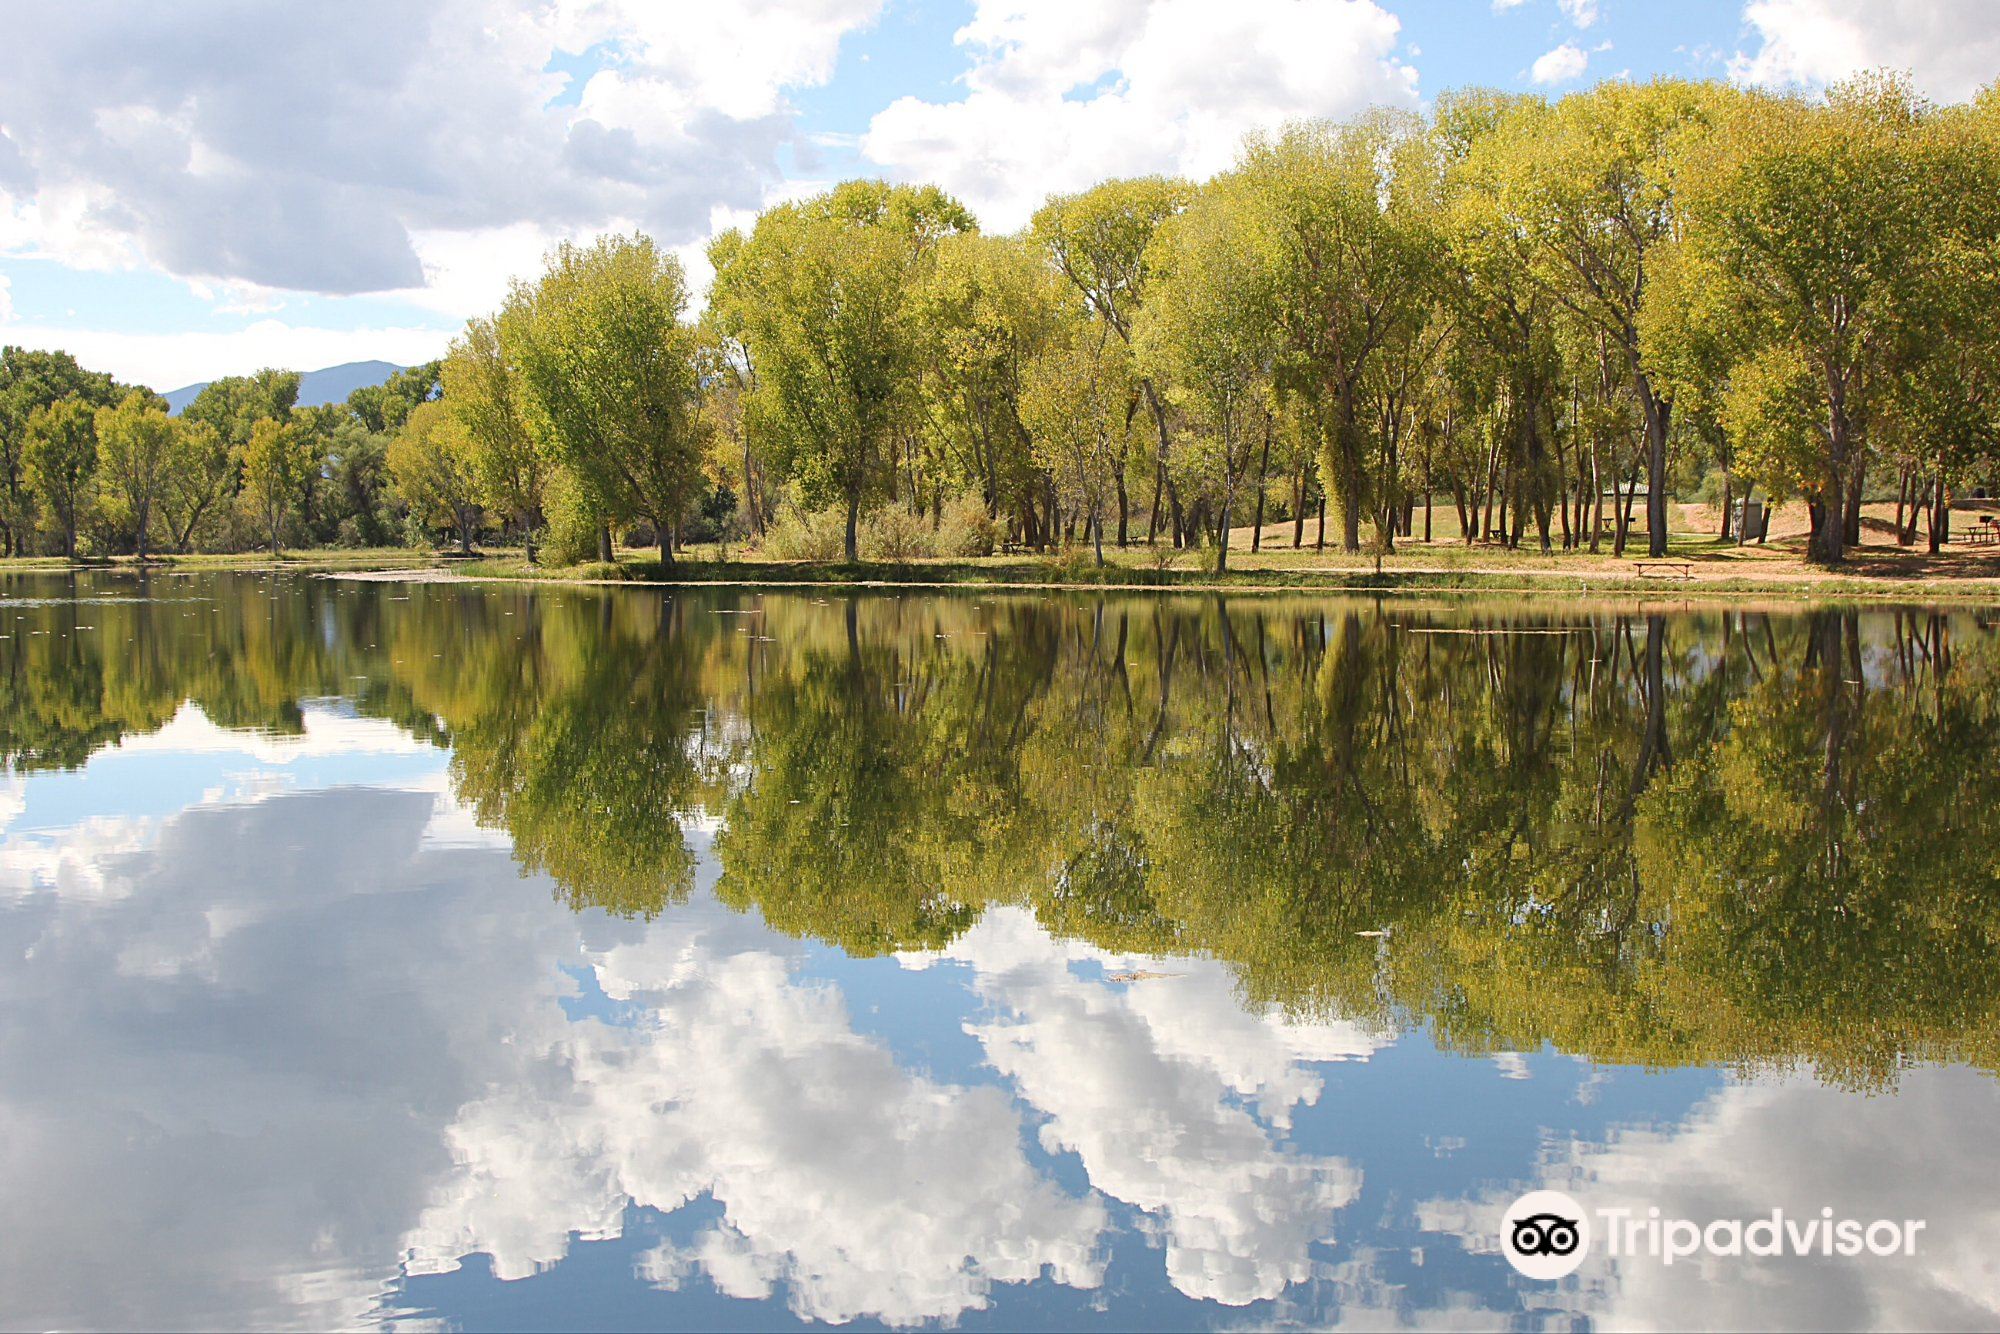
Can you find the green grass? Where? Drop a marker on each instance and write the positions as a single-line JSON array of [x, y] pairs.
[[316, 558], [1447, 570], [1879, 574]]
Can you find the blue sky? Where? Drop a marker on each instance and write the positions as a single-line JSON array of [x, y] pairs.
[[196, 190]]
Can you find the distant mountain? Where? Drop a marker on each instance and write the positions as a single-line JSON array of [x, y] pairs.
[[331, 384]]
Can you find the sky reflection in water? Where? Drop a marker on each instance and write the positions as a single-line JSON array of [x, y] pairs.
[[361, 972]]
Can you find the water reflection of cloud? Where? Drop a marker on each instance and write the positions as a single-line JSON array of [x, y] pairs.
[[1927, 1153], [222, 1089], [327, 727], [1174, 1097], [258, 1058], [865, 1189]]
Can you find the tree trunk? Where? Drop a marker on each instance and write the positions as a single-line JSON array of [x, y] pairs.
[[1124, 512], [1159, 489], [1728, 503], [1160, 420], [1659, 417], [1851, 519], [852, 546], [1825, 545], [605, 553], [1299, 507], [1263, 479], [1596, 499], [1940, 514]]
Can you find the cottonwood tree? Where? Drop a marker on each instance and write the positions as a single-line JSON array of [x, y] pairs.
[[823, 290], [987, 308], [482, 392], [1592, 185], [135, 445], [30, 380], [234, 404], [1077, 404], [432, 460], [1098, 240], [611, 372], [201, 473], [1826, 222], [277, 463], [1347, 276], [1211, 336], [59, 464]]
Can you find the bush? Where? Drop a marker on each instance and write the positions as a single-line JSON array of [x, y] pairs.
[[966, 529], [892, 533], [816, 535], [572, 532]]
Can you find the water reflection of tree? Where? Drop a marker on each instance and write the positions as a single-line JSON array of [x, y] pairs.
[[1732, 837]]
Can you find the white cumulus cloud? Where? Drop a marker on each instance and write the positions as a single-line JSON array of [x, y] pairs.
[[1063, 94], [1561, 65], [1583, 13], [1951, 46], [307, 147]]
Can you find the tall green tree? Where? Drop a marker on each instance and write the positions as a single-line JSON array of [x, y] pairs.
[[277, 465], [135, 445], [1348, 276], [1825, 222], [1592, 186], [59, 460], [1211, 334], [234, 404], [482, 390], [1098, 241], [201, 475], [987, 308], [383, 408], [1077, 404], [432, 459], [823, 287], [31, 380], [611, 371]]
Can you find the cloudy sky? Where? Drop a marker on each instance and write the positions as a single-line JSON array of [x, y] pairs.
[[203, 188]]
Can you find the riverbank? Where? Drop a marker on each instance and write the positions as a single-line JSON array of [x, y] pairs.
[[1693, 567], [1696, 566], [360, 559]]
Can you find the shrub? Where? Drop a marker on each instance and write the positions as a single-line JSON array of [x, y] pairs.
[[817, 535], [966, 529], [892, 533], [572, 531]]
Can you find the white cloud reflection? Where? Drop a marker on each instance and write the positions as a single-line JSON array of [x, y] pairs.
[[261, 1058]]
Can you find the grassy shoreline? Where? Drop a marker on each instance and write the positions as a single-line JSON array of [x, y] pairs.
[[1890, 577]]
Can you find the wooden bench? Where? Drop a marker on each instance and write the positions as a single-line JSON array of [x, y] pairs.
[[1666, 569]]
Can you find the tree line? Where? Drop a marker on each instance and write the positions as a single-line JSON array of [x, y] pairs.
[[85, 460], [1539, 313]]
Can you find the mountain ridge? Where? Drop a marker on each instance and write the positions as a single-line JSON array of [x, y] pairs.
[[328, 384]]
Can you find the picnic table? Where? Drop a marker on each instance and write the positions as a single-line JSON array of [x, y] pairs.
[[1986, 531], [1666, 569]]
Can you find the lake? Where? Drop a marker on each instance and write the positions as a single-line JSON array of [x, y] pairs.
[[534, 957]]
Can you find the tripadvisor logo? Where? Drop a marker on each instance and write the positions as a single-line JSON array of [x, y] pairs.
[[1545, 1234]]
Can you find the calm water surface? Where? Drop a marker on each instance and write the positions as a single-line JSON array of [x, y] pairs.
[[379, 954]]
